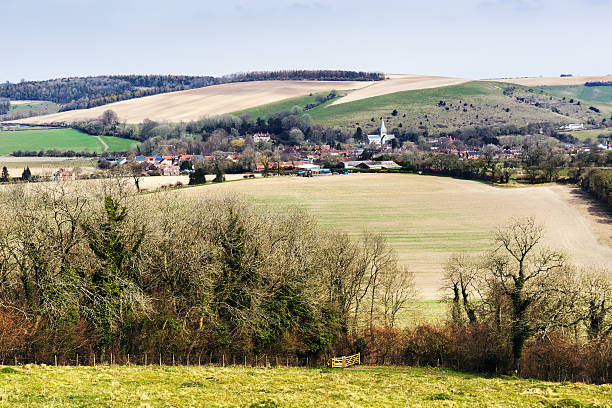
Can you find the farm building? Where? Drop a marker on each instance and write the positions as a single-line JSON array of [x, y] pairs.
[[382, 137], [574, 126], [371, 164]]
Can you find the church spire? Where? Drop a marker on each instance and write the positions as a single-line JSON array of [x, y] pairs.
[[383, 129]]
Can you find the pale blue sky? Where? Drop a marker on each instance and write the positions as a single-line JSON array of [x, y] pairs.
[[43, 39]]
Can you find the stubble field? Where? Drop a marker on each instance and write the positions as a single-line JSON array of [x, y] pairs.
[[376, 387], [428, 218]]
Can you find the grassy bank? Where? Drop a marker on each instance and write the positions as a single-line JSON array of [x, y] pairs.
[[154, 386]]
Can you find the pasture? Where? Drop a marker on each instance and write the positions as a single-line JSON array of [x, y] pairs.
[[61, 139], [193, 104], [264, 111], [428, 218], [599, 94], [399, 83], [365, 386], [591, 134]]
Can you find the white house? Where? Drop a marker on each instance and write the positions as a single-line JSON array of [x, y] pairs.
[[382, 137]]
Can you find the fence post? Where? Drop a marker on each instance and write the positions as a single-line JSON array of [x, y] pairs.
[[77, 362], [15, 360], [307, 362], [55, 356], [94, 359], [245, 360], [145, 363], [256, 358], [199, 358], [266, 366], [223, 359], [210, 358], [160, 359], [173, 358], [128, 357], [287, 361]]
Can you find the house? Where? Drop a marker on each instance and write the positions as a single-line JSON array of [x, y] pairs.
[[382, 137], [63, 175], [261, 137], [169, 170]]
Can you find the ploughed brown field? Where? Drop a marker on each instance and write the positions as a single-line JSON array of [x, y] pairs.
[[194, 104], [428, 218]]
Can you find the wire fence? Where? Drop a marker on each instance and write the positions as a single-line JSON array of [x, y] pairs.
[[169, 359]]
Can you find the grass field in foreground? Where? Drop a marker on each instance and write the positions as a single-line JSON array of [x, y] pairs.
[[427, 218], [62, 139], [167, 386]]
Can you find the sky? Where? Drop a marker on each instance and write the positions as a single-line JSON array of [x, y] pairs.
[[42, 39]]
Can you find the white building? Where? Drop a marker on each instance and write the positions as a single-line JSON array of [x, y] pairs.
[[574, 126], [382, 137]]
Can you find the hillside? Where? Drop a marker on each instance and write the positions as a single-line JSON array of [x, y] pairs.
[[399, 83], [476, 103], [368, 386], [195, 103]]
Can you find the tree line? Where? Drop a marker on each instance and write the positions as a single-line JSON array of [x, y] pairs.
[[88, 92], [109, 272], [598, 83]]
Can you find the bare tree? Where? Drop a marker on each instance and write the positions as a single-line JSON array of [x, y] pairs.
[[397, 290], [460, 276], [523, 273]]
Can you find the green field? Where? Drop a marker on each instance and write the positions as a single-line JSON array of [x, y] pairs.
[[591, 134], [62, 139], [180, 386], [471, 104], [600, 94], [264, 111]]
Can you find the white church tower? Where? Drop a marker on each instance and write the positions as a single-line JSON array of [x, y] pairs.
[[382, 137]]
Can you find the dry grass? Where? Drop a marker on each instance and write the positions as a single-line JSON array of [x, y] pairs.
[[428, 218], [399, 83], [375, 387], [195, 103], [555, 81]]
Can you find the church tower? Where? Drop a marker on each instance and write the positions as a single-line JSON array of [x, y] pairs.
[[383, 129]]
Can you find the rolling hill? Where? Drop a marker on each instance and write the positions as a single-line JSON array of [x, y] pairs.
[[476, 103], [195, 103]]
